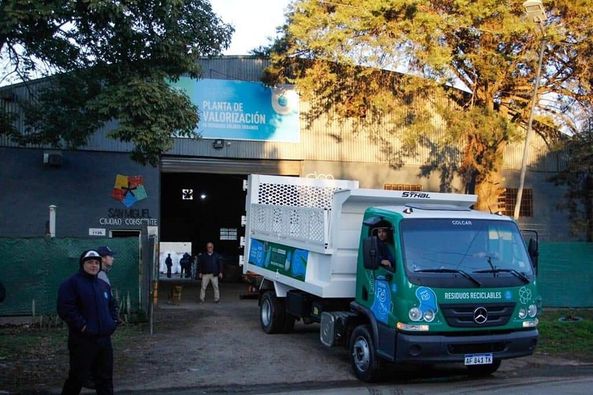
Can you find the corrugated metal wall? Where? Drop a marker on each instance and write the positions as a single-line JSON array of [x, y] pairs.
[[322, 140]]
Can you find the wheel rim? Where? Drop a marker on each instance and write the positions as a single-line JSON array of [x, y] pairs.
[[361, 354], [266, 313]]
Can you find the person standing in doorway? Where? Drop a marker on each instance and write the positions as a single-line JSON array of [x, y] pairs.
[[169, 263], [210, 267], [86, 305], [106, 264]]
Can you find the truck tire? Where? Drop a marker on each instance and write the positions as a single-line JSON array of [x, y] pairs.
[[483, 370], [288, 323], [366, 365], [271, 313]]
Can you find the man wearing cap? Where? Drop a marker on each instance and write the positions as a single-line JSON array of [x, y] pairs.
[[86, 305], [107, 263]]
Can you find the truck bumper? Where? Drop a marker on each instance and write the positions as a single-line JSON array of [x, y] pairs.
[[448, 348]]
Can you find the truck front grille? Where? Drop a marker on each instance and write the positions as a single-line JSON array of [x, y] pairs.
[[463, 315]]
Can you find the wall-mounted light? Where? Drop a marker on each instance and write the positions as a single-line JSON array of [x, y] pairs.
[[218, 144], [187, 194], [52, 158]]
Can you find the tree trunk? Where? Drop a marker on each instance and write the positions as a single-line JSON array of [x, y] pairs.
[[490, 184], [489, 190]]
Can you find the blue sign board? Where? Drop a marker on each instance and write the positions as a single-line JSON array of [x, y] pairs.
[[243, 110]]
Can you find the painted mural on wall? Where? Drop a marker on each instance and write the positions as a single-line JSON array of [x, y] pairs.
[[243, 110]]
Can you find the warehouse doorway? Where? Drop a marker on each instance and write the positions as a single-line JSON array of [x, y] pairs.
[[197, 208]]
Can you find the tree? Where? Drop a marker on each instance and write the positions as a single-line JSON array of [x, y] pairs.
[[110, 61], [577, 176], [337, 53]]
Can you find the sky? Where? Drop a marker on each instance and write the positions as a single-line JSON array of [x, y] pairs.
[[254, 21]]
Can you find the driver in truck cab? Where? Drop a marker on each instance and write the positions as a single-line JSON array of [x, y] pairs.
[[383, 236]]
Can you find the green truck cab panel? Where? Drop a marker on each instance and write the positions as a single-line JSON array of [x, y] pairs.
[[449, 275]]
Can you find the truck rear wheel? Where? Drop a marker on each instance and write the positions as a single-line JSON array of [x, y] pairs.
[[272, 315], [483, 370], [366, 365], [288, 323]]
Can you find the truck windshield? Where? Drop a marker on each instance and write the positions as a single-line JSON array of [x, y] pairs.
[[476, 247]]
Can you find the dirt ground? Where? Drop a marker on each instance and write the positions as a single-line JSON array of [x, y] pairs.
[[221, 348]]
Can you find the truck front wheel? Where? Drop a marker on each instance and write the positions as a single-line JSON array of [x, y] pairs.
[[271, 313], [363, 357]]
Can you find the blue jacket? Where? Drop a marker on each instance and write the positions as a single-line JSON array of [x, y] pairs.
[[83, 299], [384, 252]]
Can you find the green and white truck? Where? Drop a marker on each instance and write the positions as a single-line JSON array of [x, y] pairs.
[[462, 287]]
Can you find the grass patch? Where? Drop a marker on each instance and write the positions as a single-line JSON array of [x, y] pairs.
[[26, 341], [571, 339], [31, 341]]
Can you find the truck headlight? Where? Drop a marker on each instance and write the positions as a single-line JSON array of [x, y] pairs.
[[532, 310], [522, 313], [415, 314], [428, 315]]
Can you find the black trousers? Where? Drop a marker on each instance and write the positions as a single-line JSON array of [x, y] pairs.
[[90, 358]]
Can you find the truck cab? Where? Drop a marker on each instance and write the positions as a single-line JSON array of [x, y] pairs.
[[462, 288]]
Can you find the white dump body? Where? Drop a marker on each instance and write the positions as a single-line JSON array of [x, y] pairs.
[[323, 218]]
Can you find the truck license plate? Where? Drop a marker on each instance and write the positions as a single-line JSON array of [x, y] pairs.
[[478, 359]]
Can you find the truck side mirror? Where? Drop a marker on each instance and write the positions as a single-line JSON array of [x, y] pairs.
[[533, 250], [370, 253]]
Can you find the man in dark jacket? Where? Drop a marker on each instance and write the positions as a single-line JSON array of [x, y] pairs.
[[385, 257], [86, 305], [210, 267]]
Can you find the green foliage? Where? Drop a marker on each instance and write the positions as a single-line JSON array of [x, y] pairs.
[[333, 51], [578, 177], [112, 58]]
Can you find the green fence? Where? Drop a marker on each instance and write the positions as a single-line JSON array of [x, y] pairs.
[[565, 277], [32, 270]]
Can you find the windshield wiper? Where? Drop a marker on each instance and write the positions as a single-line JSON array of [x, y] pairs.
[[444, 270], [512, 271]]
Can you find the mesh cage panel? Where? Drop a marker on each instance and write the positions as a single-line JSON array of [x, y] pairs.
[[305, 224], [296, 195]]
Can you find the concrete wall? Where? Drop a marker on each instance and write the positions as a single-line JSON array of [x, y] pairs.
[[80, 188]]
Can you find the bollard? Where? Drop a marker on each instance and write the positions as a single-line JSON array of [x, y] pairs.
[[155, 292]]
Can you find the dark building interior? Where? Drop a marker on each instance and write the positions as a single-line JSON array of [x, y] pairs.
[[198, 208]]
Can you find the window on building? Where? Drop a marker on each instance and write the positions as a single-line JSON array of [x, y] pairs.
[[509, 198], [402, 187], [228, 233]]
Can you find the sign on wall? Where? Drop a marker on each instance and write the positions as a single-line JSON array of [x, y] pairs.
[[243, 110], [128, 190]]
